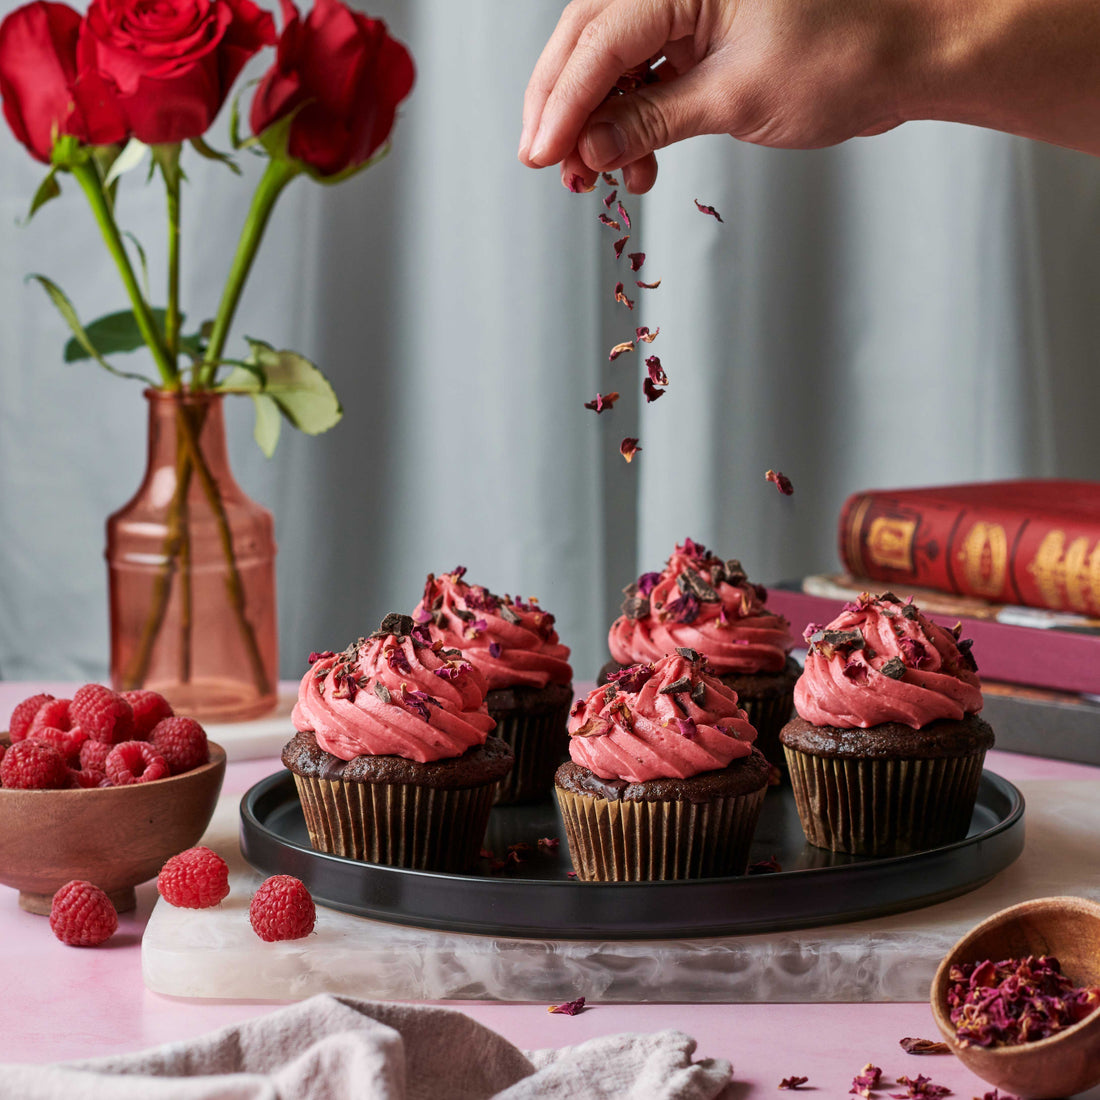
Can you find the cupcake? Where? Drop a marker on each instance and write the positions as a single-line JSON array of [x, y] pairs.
[[663, 781], [709, 605], [886, 751], [513, 644], [393, 761]]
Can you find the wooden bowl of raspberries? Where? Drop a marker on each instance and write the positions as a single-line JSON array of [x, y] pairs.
[[103, 787]]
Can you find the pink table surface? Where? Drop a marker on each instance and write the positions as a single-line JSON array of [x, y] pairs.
[[58, 1002]]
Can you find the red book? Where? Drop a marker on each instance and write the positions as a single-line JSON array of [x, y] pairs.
[[1034, 542]]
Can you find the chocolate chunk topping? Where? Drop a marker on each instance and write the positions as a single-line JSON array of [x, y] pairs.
[[393, 623], [687, 654], [699, 693], [609, 693], [382, 691], [691, 584], [683, 684], [894, 668], [840, 639], [636, 607], [909, 611], [734, 573], [508, 614], [463, 614]]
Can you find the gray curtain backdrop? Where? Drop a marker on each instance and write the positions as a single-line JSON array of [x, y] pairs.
[[920, 307]]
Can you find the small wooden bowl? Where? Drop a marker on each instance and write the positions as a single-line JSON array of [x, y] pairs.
[[1065, 1063], [114, 837]]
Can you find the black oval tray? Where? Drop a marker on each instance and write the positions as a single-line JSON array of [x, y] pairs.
[[536, 898]]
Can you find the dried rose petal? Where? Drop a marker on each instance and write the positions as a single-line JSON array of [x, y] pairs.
[[643, 333], [647, 286], [609, 199], [570, 874], [656, 371], [602, 401], [629, 448], [792, 1082], [620, 244], [494, 649], [610, 222], [769, 866], [866, 1080], [921, 1088], [623, 214], [324, 655], [651, 391], [780, 481], [568, 1008], [636, 260], [609, 179], [548, 843], [578, 186], [923, 1046], [620, 349], [620, 296], [647, 582], [707, 210]]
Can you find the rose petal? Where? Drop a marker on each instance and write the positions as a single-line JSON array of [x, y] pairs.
[[629, 448], [651, 391], [780, 481], [643, 333], [602, 401], [610, 222], [620, 349], [656, 371], [620, 296], [647, 286], [707, 210], [623, 214], [578, 186], [620, 244], [609, 199], [636, 260]]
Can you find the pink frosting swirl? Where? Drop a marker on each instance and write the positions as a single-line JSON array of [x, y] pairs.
[[701, 602], [510, 641], [394, 694], [881, 660], [668, 720]]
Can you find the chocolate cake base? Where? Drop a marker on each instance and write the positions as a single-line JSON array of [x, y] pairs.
[[532, 722], [700, 827], [386, 809], [889, 789]]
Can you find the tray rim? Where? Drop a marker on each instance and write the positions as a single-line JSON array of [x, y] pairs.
[[1006, 835]]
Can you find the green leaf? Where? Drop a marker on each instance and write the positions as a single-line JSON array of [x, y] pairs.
[[130, 157], [141, 258], [268, 422], [210, 153], [235, 119], [110, 335], [80, 334], [48, 189]]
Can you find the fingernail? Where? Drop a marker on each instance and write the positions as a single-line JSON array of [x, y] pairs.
[[537, 152], [606, 143], [524, 141]]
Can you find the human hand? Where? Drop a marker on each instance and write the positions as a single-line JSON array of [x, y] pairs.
[[784, 73]]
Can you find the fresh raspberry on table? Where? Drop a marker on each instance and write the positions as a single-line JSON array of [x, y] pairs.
[[23, 715], [134, 762], [149, 708], [31, 765], [81, 777], [282, 909], [197, 878], [182, 742], [82, 915], [103, 714], [54, 714], [67, 742], [93, 756]]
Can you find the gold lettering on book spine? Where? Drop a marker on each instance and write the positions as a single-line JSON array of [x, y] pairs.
[[890, 542], [1067, 576], [983, 556]]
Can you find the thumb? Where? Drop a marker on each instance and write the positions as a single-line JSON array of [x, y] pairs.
[[627, 127]]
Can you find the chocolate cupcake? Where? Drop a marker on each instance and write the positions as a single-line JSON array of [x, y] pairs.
[[393, 761], [513, 643], [664, 782], [709, 605], [886, 753]]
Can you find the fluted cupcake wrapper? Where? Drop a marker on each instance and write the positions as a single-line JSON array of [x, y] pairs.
[[539, 742], [622, 840], [768, 715], [882, 807], [398, 824]]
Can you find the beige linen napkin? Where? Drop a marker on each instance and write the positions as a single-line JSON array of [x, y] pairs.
[[337, 1048]]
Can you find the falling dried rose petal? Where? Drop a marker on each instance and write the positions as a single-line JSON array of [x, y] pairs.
[[643, 333], [651, 391], [609, 199], [780, 481], [610, 222], [623, 214], [923, 1046], [578, 186], [792, 1082], [620, 244], [620, 296], [629, 448], [647, 286], [707, 210], [656, 371], [569, 1008], [602, 401], [609, 179], [620, 349], [636, 260]]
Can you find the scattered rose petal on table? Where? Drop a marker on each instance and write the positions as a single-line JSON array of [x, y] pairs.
[[919, 1046], [792, 1082], [568, 1008]]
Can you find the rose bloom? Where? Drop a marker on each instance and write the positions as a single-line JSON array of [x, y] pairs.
[[44, 93], [172, 62], [347, 76]]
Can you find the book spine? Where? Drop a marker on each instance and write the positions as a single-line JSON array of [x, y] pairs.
[[995, 553]]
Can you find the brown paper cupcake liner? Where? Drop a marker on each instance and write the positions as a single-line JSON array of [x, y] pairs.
[[881, 807], [539, 742], [623, 840], [398, 824], [769, 715]]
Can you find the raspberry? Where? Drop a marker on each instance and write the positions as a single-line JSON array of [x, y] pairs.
[[134, 762], [93, 756], [182, 743], [23, 715], [52, 715], [67, 742], [282, 909], [102, 714], [195, 879], [31, 765], [3, 749], [149, 708], [86, 778], [82, 915]]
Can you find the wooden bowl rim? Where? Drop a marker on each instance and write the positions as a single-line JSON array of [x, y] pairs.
[[1062, 902]]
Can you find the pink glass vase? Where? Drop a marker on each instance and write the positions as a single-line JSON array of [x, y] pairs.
[[191, 566]]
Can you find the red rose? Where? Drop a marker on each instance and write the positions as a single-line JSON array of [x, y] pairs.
[[43, 92], [172, 62], [347, 76]]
